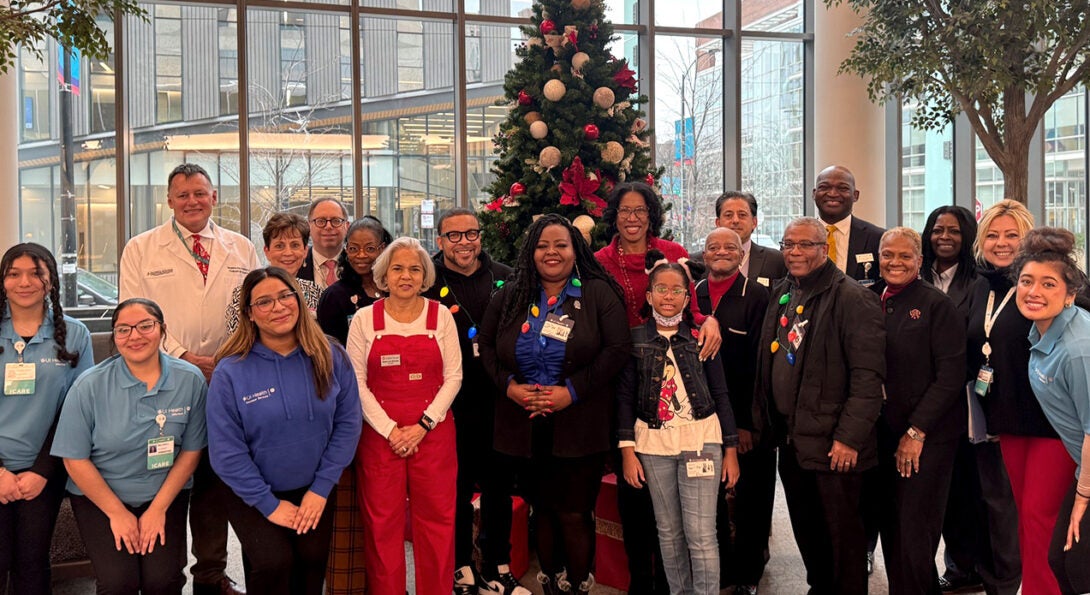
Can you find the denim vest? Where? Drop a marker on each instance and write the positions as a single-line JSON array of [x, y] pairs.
[[649, 355]]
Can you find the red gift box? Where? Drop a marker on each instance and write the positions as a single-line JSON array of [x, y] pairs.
[[611, 562], [520, 534]]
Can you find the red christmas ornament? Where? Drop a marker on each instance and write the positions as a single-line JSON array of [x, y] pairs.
[[590, 131], [650, 180], [547, 27], [524, 98], [518, 189]]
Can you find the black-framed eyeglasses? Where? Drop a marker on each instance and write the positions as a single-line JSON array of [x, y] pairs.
[[788, 246], [265, 304], [326, 221], [144, 327], [470, 235]]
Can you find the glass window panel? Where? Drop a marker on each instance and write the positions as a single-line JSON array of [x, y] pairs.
[[689, 13], [989, 180], [227, 40], [429, 5], [762, 15], [773, 133], [103, 118], [1065, 167], [34, 86], [689, 86], [927, 170], [484, 117]]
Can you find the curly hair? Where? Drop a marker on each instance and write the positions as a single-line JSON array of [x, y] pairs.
[[1051, 245], [655, 209], [967, 224], [47, 273], [525, 285], [365, 223]]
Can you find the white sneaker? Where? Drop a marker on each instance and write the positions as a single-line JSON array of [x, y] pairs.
[[502, 582]]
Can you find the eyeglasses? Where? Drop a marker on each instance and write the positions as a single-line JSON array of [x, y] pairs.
[[662, 290], [265, 304], [326, 221], [470, 235], [625, 213], [144, 327], [369, 250], [788, 246]]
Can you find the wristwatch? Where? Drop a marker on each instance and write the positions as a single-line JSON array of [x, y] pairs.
[[426, 422], [915, 434]]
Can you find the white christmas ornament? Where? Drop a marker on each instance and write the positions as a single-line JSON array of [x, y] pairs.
[[579, 60], [550, 157], [555, 90], [603, 97], [539, 130], [532, 117]]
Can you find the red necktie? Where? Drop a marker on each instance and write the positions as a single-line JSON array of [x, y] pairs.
[[201, 256], [330, 272]]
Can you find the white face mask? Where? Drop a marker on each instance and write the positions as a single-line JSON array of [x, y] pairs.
[[664, 321]]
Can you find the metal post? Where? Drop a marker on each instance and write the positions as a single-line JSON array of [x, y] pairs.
[[69, 239]]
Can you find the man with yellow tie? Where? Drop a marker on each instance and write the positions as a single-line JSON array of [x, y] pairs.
[[853, 242]]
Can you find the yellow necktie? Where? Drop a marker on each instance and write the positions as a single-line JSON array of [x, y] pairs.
[[832, 243]]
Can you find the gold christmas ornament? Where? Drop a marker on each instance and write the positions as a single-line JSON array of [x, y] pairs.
[[585, 225], [549, 157], [555, 90], [539, 130], [534, 41], [532, 117], [613, 152], [556, 68], [579, 60], [603, 97]]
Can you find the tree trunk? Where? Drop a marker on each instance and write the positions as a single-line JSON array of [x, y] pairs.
[[1014, 161]]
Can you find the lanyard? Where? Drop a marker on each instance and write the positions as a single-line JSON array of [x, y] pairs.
[[19, 347], [989, 321], [201, 259]]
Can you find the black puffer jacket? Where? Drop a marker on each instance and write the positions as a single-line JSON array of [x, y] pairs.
[[841, 364]]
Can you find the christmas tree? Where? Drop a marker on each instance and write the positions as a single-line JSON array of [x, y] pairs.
[[574, 129]]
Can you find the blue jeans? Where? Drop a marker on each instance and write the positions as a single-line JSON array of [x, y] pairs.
[[685, 515]]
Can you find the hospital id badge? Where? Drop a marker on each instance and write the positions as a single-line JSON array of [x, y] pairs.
[[983, 380], [557, 327], [699, 466], [160, 452], [19, 379]]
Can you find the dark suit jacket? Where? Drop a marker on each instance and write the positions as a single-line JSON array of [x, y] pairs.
[[863, 239], [765, 263], [306, 271], [740, 312]]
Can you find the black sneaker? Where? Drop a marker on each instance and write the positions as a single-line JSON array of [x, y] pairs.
[[463, 588], [501, 583], [970, 583]]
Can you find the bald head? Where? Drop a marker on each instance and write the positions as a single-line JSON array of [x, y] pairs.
[[722, 253], [834, 193]]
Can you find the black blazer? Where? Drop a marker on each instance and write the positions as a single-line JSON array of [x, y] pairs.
[[765, 263], [925, 363], [863, 239], [596, 352], [306, 271], [740, 312]]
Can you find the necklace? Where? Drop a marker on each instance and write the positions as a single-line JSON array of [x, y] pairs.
[[790, 341], [455, 308], [631, 300]]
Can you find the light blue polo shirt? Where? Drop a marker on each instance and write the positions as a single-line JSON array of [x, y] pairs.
[[109, 416], [25, 419], [1059, 372]]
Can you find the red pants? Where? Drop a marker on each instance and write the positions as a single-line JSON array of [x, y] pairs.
[[428, 480], [1041, 472]]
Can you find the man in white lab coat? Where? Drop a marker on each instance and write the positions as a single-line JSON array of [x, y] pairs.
[[190, 266]]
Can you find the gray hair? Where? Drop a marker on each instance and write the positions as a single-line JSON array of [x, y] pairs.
[[903, 232], [382, 263], [814, 223]]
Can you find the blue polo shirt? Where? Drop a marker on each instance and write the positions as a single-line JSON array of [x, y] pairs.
[[540, 358], [109, 416], [1059, 372], [25, 419]]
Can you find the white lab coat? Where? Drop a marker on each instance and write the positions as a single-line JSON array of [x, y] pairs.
[[157, 265]]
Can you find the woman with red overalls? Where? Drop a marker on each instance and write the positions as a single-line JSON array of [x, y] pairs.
[[409, 366]]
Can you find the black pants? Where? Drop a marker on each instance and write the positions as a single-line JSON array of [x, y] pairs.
[[1072, 568], [120, 573], [742, 560], [641, 537], [480, 467], [827, 521], [208, 522], [964, 527], [26, 530], [1001, 568], [911, 516], [279, 561]]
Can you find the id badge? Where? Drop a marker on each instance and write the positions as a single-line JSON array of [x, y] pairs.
[[19, 379], [699, 466], [557, 327], [795, 336], [983, 380], [476, 348], [160, 452]]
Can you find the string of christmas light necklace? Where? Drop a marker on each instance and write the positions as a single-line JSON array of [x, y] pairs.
[[788, 343], [457, 307]]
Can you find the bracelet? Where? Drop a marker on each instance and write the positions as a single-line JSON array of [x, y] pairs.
[[424, 425], [1080, 494], [915, 434]]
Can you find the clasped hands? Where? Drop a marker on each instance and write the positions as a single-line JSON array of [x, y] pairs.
[[538, 399], [20, 486], [404, 441]]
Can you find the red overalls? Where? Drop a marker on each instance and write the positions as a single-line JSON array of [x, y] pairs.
[[404, 374]]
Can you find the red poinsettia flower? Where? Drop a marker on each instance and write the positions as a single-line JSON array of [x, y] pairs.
[[578, 188], [625, 77], [496, 205]]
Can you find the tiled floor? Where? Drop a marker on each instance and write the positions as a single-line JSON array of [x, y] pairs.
[[784, 575]]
